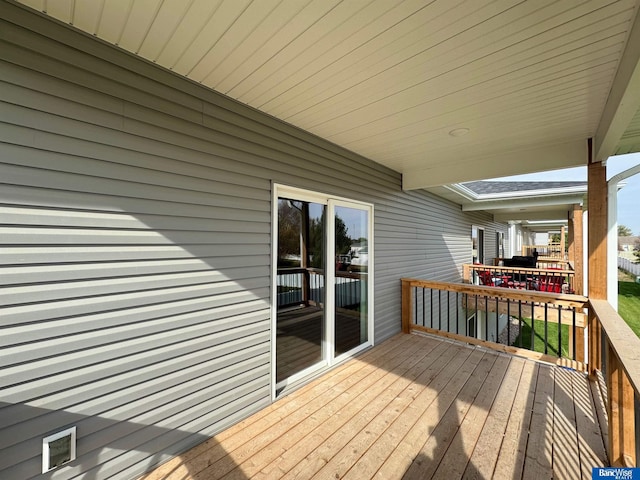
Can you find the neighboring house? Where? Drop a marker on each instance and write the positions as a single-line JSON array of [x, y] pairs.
[[628, 244], [138, 252], [531, 208]]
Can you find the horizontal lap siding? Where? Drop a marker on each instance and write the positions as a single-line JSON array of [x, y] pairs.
[[135, 240]]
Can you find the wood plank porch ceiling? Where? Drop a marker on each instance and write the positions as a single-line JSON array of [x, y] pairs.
[[414, 407], [389, 79]]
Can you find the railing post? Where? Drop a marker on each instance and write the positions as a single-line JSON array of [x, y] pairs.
[[595, 345], [620, 410], [579, 333], [466, 273], [407, 305]]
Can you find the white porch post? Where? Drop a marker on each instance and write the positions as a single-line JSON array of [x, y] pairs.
[[612, 244]]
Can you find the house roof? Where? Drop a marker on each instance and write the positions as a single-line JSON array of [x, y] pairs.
[[628, 240], [441, 92], [499, 187], [540, 205]]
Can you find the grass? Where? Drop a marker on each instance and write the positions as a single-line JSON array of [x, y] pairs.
[[538, 338], [629, 301]]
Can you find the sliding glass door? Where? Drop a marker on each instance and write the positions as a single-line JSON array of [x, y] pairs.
[[351, 238], [300, 320], [322, 282]]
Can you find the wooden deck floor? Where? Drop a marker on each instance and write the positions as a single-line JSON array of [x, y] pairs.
[[414, 407]]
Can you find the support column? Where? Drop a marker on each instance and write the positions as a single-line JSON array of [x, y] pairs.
[[576, 248], [597, 258], [612, 246], [576, 255], [598, 229]]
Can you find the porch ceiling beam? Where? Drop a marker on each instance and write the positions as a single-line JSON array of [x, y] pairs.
[[623, 101], [544, 227], [549, 157], [546, 215], [512, 203]]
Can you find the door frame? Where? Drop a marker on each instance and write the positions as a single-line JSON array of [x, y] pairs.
[[330, 201]]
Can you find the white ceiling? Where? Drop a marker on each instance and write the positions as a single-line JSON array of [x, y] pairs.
[[389, 79]]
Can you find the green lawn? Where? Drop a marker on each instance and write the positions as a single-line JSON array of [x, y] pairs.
[[629, 304], [628, 308], [538, 344]]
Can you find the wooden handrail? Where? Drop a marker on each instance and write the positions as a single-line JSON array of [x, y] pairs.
[[624, 342], [545, 251], [500, 268], [530, 272], [319, 271], [621, 364], [563, 299], [567, 309]]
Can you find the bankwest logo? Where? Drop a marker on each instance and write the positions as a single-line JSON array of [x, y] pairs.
[[616, 473]]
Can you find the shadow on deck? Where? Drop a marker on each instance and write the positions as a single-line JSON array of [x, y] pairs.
[[415, 407]]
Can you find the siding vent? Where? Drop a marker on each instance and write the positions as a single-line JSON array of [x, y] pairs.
[[58, 449]]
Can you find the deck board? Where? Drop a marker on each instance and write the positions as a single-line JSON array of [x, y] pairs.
[[514, 443], [538, 459], [414, 407], [465, 441], [565, 432], [485, 455]]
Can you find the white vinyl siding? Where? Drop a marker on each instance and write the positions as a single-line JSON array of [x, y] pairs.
[[135, 240]]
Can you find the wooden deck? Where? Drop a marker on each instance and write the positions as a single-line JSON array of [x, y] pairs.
[[414, 407]]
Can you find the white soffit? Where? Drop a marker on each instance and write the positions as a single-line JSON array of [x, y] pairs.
[[389, 79]]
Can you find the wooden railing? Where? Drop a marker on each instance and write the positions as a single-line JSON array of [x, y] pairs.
[[305, 286], [551, 250], [540, 263], [539, 279], [614, 357], [486, 316], [539, 325]]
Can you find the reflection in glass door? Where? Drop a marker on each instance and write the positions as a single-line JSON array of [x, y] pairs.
[[300, 323], [322, 289], [351, 242]]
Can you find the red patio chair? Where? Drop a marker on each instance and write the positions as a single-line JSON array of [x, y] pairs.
[[486, 278], [551, 283]]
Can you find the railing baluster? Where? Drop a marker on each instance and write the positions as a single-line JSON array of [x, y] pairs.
[[486, 317], [498, 319], [415, 301], [475, 319], [424, 313], [439, 310], [520, 323], [466, 314], [431, 307], [448, 311], [546, 328], [575, 333], [457, 312], [533, 329], [559, 331], [508, 322]]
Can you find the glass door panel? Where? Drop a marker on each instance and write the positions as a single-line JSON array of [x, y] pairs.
[[351, 247], [300, 287]]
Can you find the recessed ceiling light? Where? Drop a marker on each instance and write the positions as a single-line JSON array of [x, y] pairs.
[[459, 132]]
